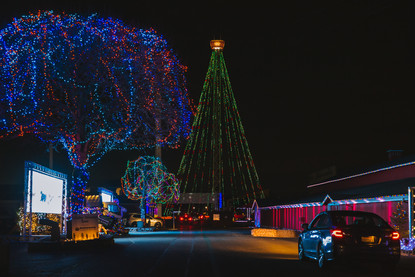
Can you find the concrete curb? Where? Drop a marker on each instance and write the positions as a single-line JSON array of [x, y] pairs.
[[273, 233]]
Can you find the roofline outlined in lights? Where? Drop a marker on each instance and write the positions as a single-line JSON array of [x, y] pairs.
[[361, 174]]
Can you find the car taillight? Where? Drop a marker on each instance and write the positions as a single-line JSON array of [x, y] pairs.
[[337, 233], [395, 235], [181, 219], [201, 216], [190, 219]]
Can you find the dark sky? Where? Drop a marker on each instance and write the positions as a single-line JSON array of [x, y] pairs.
[[317, 83]]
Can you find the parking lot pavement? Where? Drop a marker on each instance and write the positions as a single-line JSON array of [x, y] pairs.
[[186, 253]]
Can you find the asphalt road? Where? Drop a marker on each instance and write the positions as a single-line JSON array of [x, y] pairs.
[[187, 253]]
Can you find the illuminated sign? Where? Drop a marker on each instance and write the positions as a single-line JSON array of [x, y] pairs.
[[106, 195], [45, 189], [84, 227], [199, 198], [45, 192]]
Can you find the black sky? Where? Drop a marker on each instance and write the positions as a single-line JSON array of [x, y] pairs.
[[317, 83]]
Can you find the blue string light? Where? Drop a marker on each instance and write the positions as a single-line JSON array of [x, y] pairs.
[[91, 85]]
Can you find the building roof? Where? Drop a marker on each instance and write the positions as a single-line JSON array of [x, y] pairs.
[[397, 187], [392, 171], [373, 168]]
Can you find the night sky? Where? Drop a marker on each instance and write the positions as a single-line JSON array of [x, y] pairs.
[[317, 84]]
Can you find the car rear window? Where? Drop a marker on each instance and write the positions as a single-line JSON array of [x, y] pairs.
[[358, 220]]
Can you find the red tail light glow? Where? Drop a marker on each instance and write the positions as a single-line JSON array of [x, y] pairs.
[[337, 233], [181, 219], [395, 235], [190, 219]]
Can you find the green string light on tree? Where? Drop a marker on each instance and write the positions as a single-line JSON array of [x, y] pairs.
[[147, 178], [217, 158], [399, 219]]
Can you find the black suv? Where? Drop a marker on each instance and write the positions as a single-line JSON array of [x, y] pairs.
[[338, 235]]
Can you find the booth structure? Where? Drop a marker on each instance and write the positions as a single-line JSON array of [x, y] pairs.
[[45, 193], [107, 211], [379, 190]]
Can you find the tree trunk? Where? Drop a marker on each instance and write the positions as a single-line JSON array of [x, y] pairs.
[[80, 178], [143, 206]]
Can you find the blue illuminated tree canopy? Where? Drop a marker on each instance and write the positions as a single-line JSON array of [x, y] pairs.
[[92, 85]]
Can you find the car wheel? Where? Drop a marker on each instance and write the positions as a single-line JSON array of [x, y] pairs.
[[321, 257], [301, 255], [157, 225]]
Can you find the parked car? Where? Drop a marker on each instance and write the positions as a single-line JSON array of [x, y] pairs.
[[239, 216], [150, 221], [192, 218], [341, 235], [186, 218]]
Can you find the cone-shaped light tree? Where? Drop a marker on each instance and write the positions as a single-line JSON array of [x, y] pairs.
[[91, 85], [217, 158]]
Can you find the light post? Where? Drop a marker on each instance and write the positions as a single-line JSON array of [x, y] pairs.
[[174, 219]]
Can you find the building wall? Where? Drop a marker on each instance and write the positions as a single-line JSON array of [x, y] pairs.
[[289, 218], [293, 218]]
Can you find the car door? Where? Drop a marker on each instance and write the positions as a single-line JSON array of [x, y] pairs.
[[317, 232], [133, 219], [308, 236]]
